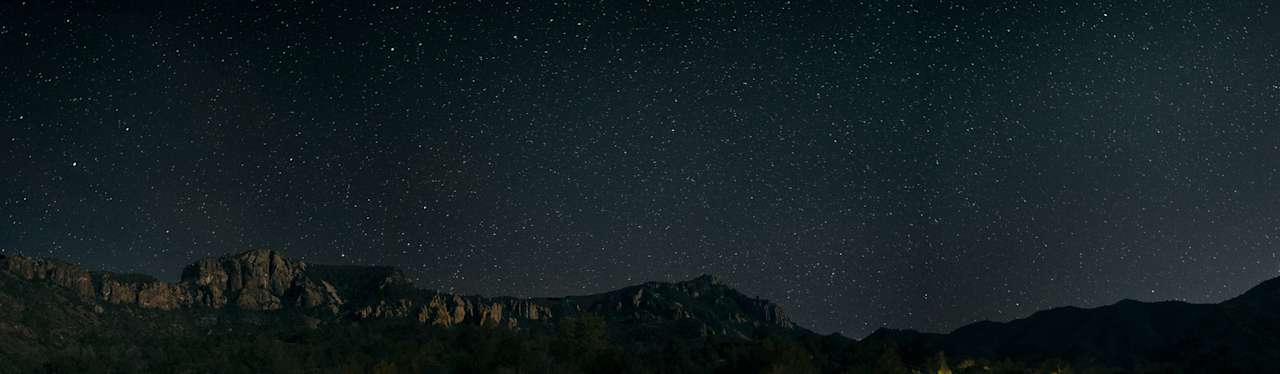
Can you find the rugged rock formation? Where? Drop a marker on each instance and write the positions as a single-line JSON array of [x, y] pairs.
[[317, 294], [105, 287], [254, 280], [144, 292], [52, 271], [447, 310], [263, 280]]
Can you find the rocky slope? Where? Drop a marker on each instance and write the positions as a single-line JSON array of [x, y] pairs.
[[264, 280]]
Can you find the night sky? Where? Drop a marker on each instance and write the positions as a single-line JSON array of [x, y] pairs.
[[905, 164]]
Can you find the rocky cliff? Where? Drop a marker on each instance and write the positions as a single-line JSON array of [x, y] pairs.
[[135, 289], [264, 280], [52, 271], [255, 280]]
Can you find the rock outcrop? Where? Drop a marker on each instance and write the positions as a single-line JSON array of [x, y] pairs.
[[256, 280], [139, 290], [145, 292], [50, 270], [448, 310]]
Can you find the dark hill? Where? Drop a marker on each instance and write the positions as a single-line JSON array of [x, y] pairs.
[[1239, 335]]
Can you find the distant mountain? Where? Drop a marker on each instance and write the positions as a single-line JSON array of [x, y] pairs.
[[261, 287], [257, 311], [263, 280], [1239, 335]]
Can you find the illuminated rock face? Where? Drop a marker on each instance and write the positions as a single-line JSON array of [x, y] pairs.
[[53, 271], [256, 280], [104, 287], [448, 310], [264, 280]]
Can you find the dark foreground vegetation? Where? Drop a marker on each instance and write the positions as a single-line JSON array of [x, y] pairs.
[[580, 346]]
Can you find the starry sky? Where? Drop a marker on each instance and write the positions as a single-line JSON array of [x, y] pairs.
[[912, 164]]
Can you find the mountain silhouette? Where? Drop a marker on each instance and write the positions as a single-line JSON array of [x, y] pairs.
[[262, 312], [1239, 335]]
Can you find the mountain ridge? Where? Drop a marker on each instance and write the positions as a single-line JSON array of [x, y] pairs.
[[1240, 334], [49, 306], [264, 280]]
